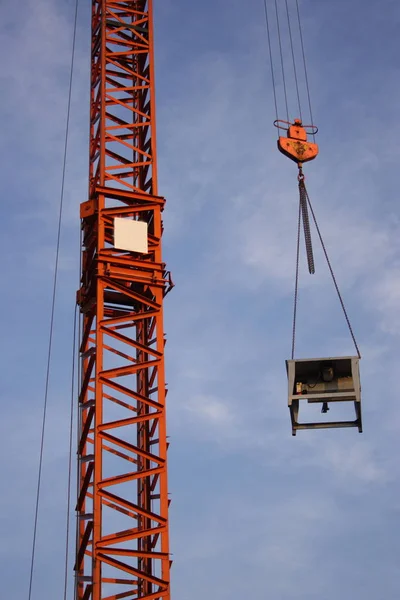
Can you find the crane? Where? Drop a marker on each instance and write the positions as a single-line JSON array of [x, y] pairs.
[[122, 531], [122, 505]]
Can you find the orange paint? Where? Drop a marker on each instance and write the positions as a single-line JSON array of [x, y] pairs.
[[296, 145]]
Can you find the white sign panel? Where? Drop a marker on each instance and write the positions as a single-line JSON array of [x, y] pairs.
[[130, 235]]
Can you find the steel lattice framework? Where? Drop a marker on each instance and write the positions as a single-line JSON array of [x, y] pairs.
[[122, 507]]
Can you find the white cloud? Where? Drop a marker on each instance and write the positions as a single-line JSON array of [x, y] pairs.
[[209, 409], [386, 298]]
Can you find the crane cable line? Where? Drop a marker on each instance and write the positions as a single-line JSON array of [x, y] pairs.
[[282, 63], [53, 302], [296, 286], [304, 200], [71, 428], [305, 66], [332, 274], [283, 69], [304, 197], [270, 58], [293, 59], [79, 379]]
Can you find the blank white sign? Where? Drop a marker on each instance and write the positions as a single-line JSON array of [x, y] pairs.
[[130, 235]]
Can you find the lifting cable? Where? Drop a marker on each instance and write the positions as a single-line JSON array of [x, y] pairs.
[[296, 145], [282, 63], [293, 59], [332, 275], [296, 283], [283, 71], [53, 302], [270, 58], [304, 198], [71, 428], [305, 65], [79, 418]]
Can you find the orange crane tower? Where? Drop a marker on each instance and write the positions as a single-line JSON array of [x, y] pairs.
[[122, 507]]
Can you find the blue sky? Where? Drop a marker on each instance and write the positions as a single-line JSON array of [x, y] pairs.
[[255, 512]]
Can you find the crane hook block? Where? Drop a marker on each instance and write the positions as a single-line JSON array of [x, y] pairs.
[[295, 145]]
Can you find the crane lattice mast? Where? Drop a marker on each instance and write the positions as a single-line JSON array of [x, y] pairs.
[[122, 508]]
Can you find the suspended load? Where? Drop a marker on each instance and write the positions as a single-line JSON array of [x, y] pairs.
[[323, 381], [318, 380]]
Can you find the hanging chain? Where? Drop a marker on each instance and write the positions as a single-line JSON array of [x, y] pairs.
[[306, 223]]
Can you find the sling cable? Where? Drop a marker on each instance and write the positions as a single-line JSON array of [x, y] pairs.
[[318, 380]]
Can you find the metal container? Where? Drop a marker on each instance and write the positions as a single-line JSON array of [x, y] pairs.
[[322, 381]]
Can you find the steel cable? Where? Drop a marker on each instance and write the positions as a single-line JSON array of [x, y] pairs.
[[79, 416], [71, 428], [293, 58], [270, 58], [296, 285], [52, 313], [282, 63], [293, 55], [333, 275], [304, 195], [305, 65]]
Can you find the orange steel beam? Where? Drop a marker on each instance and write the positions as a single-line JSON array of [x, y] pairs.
[[122, 509]]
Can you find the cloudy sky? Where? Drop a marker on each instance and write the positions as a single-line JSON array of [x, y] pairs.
[[255, 512]]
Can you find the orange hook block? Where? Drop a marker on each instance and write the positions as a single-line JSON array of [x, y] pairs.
[[296, 146]]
